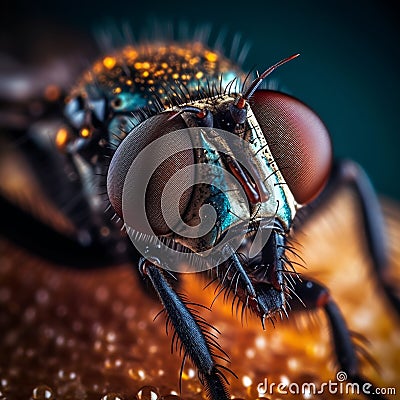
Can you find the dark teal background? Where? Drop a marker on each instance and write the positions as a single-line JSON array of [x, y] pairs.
[[348, 70]]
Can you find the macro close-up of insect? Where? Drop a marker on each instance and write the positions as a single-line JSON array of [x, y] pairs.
[[167, 172]]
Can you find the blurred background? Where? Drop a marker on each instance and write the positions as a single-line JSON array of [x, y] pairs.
[[347, 72]]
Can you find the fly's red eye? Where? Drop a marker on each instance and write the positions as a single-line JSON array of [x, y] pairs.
[[137, 140], [298, 139]]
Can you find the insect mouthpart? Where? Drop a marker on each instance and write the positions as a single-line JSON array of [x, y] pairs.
[[252, 183]]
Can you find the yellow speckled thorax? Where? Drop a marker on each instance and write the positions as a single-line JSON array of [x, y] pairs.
[[151, 69], [122, 84]]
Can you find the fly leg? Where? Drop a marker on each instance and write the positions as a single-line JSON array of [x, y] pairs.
[[197, 343], [347, 173], [315, 296]]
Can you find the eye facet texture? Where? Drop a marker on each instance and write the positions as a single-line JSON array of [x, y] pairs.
[[141, 136], [298, 139]]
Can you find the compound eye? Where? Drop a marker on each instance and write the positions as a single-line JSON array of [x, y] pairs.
[[298, 139], [137, 140]]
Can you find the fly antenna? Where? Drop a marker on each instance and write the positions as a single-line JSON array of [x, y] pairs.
[[257, 82]]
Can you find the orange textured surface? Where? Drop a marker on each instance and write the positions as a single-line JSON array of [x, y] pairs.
[[91, 335]]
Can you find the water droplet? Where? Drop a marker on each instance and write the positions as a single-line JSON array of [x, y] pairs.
[[48, 332], [110, 337], [189, 374], [247, 381], [250, 353], [285, 380], [42, 296], [148, 393], [66, 375], [102, 294], [136, 374], [30, 353], [142, 325], [42, 392], [153, 349], [112, 396], [129, 312], [60, 340], [112, 363], [293, 364], [307, 394], [261, 342], [29, 314]]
